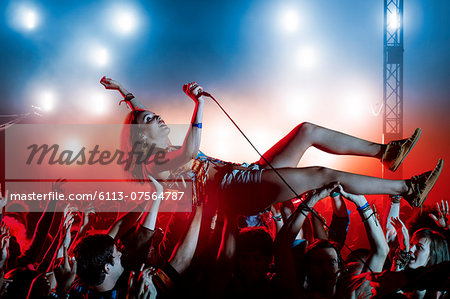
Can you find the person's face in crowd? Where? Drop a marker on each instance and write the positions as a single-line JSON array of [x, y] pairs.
[[324, 268], [253, 265], [152, 258], [117, 269], [420, 252], [155, 128]]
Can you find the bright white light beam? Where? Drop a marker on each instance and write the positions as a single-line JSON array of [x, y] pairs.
[[24, 17], [46, 100], [100, 56], [289, 20], [98, 103], [124, 20], [393, 20]]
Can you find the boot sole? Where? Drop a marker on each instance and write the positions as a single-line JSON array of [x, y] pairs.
[[395, 166], [431, 181]]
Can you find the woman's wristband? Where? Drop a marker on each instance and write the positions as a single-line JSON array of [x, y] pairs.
[[199, 125], [363, 207]]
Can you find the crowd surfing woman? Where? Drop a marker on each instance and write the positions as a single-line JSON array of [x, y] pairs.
[[250, 188]]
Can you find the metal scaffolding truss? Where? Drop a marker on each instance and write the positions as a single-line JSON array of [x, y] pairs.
[[393, 69]]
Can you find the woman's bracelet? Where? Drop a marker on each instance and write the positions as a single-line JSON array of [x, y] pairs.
[[402, 258], [362, 210], [395, 198], [335, 194], [128, 97], [199, 125], [276, 218], [368, 217]]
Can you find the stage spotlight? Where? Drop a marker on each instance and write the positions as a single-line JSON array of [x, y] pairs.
[[306, 57], [46, 100], [289, 20], [393, 20], [72, 144], [29, 19], [124, 19], [98, 103], [24, 17], [100, 56]]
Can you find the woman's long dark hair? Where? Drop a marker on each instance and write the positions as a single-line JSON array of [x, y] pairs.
[[438, 245], [131, 140]]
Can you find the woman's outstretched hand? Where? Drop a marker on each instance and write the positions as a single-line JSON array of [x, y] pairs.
[[357, 199], [318, 194], [402, 233], [193, 90], [110, 83]]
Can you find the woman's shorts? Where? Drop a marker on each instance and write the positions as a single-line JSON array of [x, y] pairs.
[[242, 176], [241, 190]]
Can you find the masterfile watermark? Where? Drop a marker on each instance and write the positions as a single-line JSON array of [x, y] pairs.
[[98, 169], [53, 155]]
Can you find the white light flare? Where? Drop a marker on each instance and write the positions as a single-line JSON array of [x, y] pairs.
[[393, 20], [100, 56], [46, 100], [123, 19], [72, 144], [24, 17], [289, 20], [29, 19], [98, 104]]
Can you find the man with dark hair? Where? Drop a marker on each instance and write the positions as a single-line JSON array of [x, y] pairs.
[[99, 267], [323, 264], [254, 255]]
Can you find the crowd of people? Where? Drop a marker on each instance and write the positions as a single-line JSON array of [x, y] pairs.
[[255, 230]]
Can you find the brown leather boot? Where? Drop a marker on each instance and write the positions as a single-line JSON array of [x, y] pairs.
[[397, 150], [421, 185]]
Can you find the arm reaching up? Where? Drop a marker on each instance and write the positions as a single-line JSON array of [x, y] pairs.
[[378, 245]]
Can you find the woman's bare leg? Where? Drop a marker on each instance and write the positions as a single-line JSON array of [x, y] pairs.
[[288, 151], [251, 197], [309, 178]]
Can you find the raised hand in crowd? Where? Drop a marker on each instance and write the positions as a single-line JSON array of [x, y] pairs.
[[4, 245], [85, 216], [3, 200], [65, 273], [443, 219], [141, 286], [402, 233], [379, 248], [66, 226]]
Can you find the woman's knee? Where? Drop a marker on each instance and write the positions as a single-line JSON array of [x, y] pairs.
[[327, 174], [305, 129]]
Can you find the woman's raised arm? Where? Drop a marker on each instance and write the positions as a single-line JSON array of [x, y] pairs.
[[128, 97], [191, 144]]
